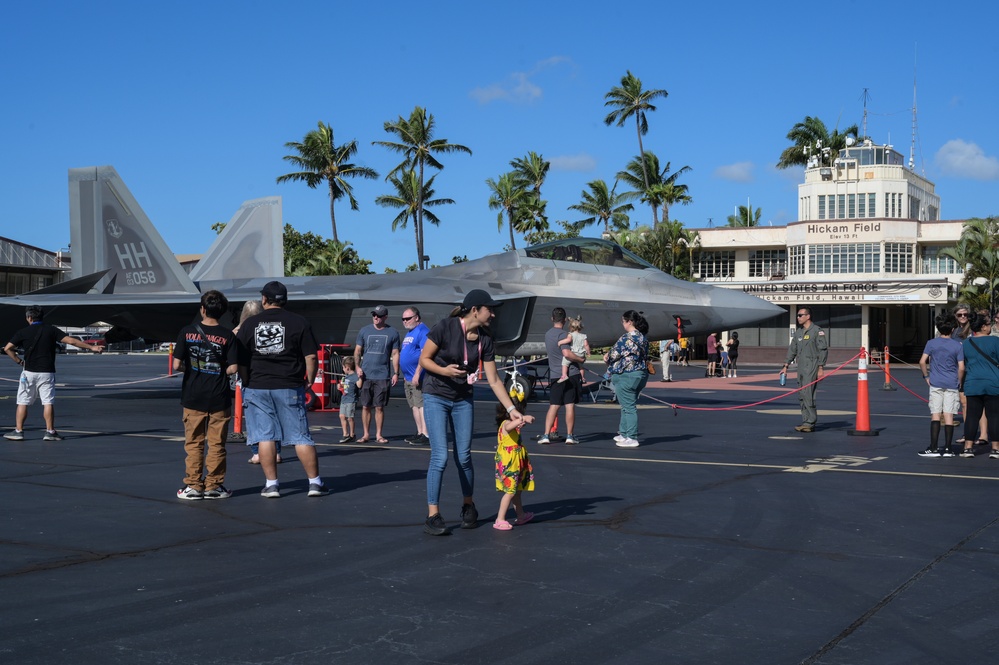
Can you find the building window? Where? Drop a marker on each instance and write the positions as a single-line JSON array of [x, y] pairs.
[[864, 257], [716, 264], [932, 262], [822, 206], [796, 259], [871, 199], [899, 257], [768, 263], [841, 205], [852, 212], [862, 199]]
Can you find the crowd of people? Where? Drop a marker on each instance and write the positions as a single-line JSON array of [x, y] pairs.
[[272, 354], [961, 368]]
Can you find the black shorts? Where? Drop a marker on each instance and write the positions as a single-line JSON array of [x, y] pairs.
[[567, 392], [374, 392]]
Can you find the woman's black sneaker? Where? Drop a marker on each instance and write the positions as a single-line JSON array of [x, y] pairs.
[[469, 516], [435, 526]]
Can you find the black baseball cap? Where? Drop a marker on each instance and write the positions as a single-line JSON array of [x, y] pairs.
[[479, 298], [275, 292]]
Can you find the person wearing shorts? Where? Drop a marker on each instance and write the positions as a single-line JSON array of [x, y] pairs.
[[944, 376], [565, 393], [39, 342], [277, 360], [412, 373], [376, 355]]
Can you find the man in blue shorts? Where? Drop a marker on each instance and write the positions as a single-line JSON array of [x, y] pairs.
[[277, 360], [376, 354], [567, 392]]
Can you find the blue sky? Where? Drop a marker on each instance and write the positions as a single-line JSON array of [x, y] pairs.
[[192, 103]]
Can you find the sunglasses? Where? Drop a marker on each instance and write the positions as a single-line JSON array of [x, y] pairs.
[[962, 316], [801, 315], [408, 318]]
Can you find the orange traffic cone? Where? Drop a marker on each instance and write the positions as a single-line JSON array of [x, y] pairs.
[[887, 385], [863, 403], [237, 417]]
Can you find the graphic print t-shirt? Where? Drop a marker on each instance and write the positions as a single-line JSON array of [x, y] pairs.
[[206, 385], [376, 351], [273, 344]]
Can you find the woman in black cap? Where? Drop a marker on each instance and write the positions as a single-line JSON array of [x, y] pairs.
[[455, 350]]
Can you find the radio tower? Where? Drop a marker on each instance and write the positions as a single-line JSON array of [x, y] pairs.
[[912, 147]]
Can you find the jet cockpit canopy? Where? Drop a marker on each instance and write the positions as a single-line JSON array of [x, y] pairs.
[[593, 251]]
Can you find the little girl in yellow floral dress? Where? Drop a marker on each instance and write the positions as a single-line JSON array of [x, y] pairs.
[[513, 467]]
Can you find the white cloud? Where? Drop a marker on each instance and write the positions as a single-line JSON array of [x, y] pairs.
[[580, 163], [966, 160], [518, 87], [738, 172]]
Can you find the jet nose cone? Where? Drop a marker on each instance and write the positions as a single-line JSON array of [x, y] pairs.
[[735, 308]]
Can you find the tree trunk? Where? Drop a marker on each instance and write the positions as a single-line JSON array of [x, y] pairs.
[[333, 214], [419, 245], [645, 170], [513, 243], [419, 220]]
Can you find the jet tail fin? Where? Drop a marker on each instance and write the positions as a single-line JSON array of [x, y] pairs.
[[251, 244], [110, 232]]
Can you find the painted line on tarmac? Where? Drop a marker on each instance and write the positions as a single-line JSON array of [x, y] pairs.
[[808, 468]]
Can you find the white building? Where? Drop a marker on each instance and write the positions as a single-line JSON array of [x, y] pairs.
[[864, 255]]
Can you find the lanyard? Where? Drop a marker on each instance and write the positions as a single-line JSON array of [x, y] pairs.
[[464, 342]]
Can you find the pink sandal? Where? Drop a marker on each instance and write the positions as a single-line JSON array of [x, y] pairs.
[[502, 525], [525, 519]]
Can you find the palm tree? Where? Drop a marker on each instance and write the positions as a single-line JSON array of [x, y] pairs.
[[630, 100], [603, 204], [662, 190], [407, 199], [746, 217], [321, 160], [530, 172], [418, 145], [810, 137], [977, 253], [508, 197]]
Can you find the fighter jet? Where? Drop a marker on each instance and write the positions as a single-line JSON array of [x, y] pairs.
[[124, 274]]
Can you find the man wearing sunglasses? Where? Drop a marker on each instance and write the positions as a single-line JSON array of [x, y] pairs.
[[376, 356], [810, 347], [409, 361]]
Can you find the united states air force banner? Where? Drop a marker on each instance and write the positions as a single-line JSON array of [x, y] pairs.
[[830, 293]]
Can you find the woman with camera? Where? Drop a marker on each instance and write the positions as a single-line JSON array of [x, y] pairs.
[[454, 351]]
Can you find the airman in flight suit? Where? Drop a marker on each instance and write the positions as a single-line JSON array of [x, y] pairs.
[[810, 347]]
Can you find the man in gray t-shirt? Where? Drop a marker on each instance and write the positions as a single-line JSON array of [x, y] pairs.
[[567, 392], [376, 356]]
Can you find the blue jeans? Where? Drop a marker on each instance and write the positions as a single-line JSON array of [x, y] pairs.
[[628, 386], [458, 417]]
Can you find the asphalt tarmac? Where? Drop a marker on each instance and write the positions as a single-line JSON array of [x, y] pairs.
[[727, 537]]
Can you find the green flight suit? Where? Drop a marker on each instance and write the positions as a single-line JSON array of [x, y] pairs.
[[810, 347]]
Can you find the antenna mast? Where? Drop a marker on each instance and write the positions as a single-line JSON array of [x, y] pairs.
[[865, 96], [912, 146]]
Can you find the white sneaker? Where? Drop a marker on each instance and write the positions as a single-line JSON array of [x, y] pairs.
[[627, 443], [619, 438]]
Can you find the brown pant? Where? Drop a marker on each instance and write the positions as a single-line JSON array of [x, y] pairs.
[[199, 426]]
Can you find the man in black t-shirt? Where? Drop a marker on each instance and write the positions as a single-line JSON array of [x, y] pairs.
[[277, 360], [207, 353], [39, 341]]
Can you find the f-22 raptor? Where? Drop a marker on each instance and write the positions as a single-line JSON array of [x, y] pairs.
[[124, 275]]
